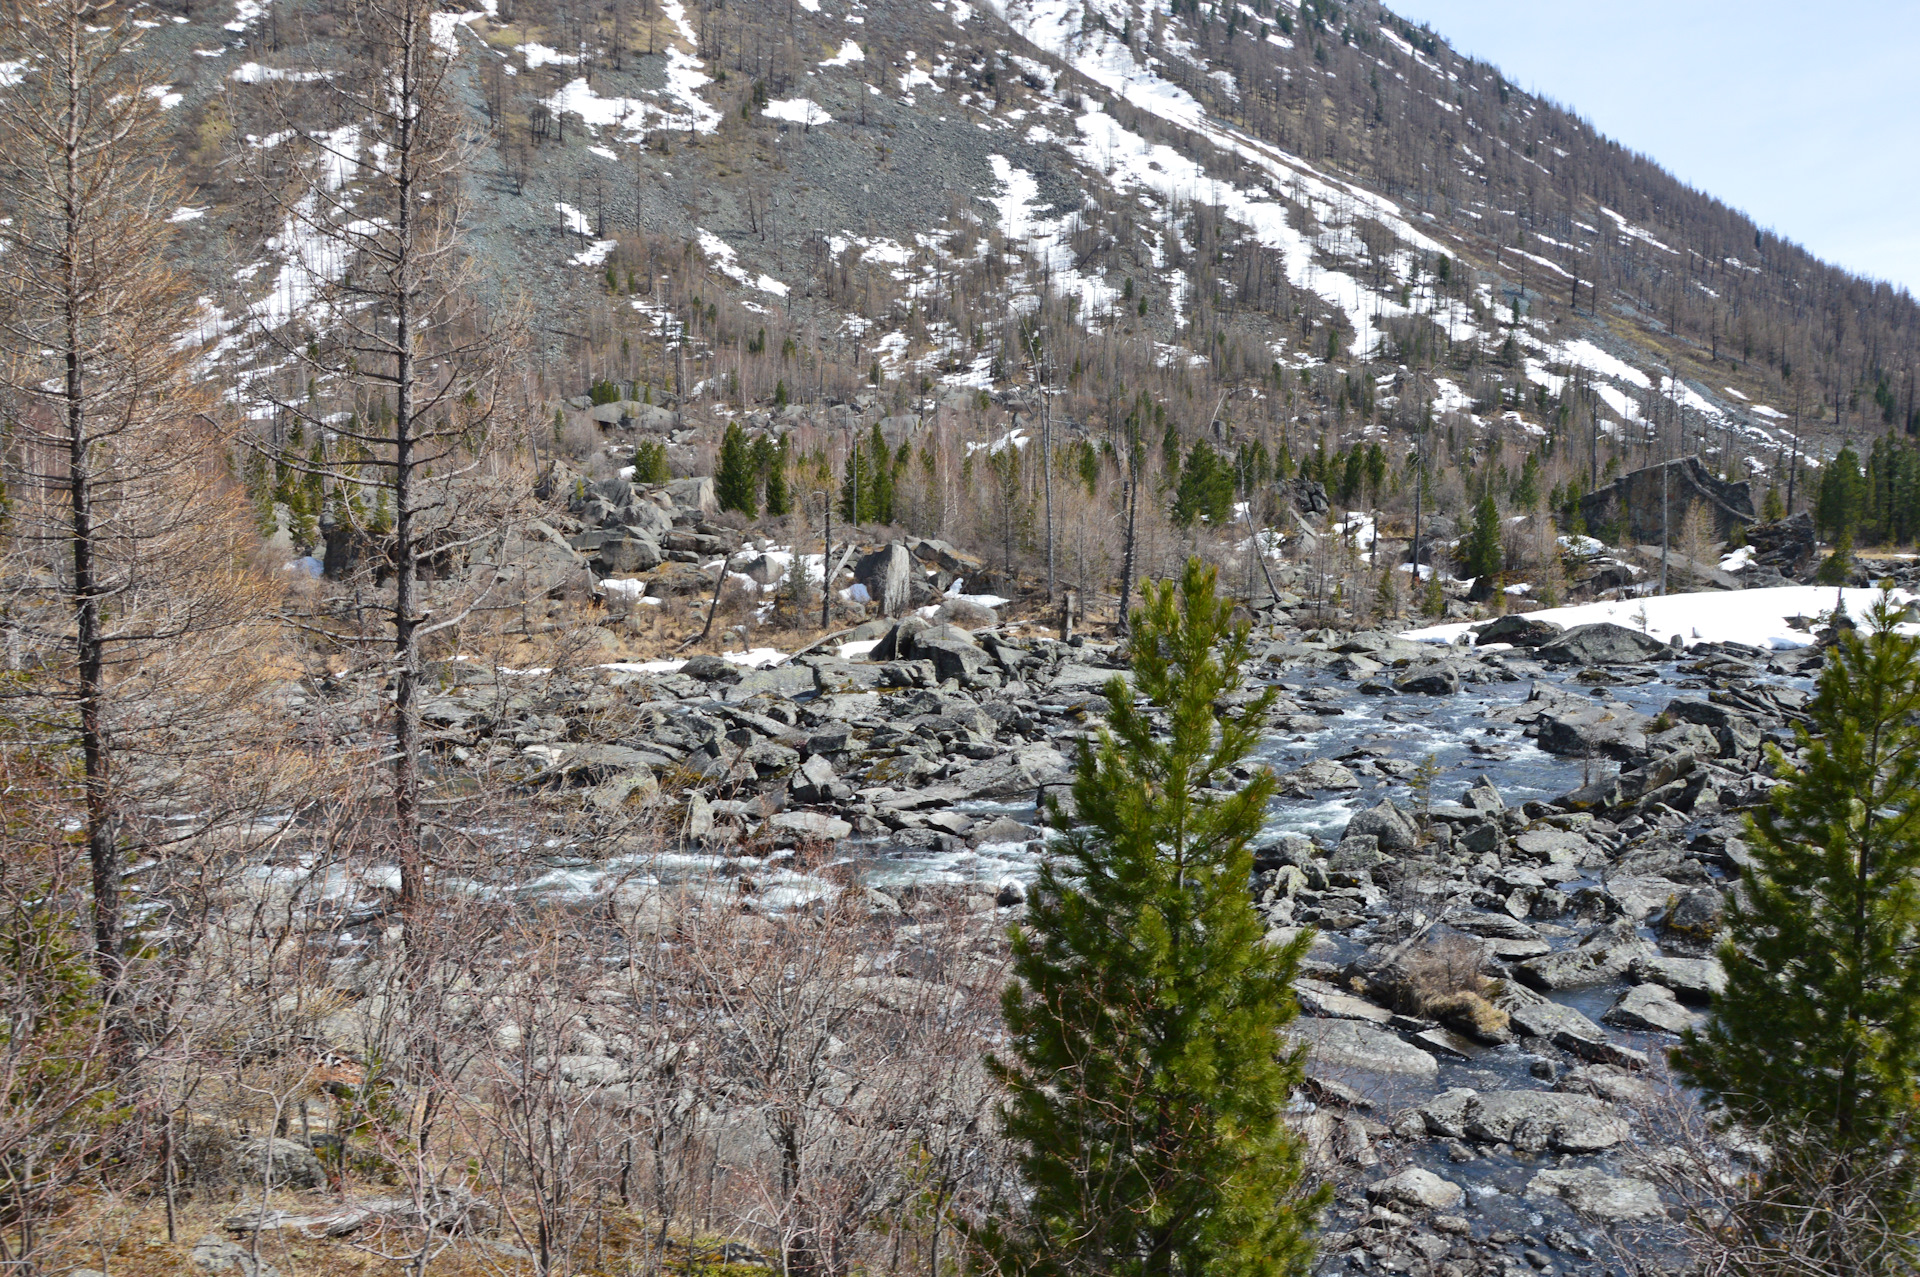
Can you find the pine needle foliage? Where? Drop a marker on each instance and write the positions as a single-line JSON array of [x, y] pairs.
[[737, 484], [1145, 1066], [1815, 1042]]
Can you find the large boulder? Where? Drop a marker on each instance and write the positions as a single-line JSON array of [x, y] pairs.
[[1599, 731], [1594, 1193], [887, 574], [1320, 774], [1735, 733], [1695, 980], [953, 655], [1017, 774], [709, 668], [694, 495], [1439, 679], [1603, 643], [1572, 1032], [279, 1163], [1650, 1008], [1390, 826], [967, 613], [1639, 505], [1534, 1121], [1520, 631], [1417, 1188], [1603, 956], [812, 826], [1352, 1044]]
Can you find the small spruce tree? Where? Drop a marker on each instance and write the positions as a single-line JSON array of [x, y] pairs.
[[1814, 1045], [1145, 1070], [1205, 489], [736, 483], [1837, 566], [774, 469], [650, 462], [1483, 556]]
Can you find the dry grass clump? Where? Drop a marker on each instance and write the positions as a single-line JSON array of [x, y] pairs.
[[1442, 979]]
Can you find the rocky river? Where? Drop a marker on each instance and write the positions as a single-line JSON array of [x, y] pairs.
[[1514, 855]]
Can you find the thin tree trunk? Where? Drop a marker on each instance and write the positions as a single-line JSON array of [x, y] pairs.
[[1126, 559], [103, 852], [406, 713]]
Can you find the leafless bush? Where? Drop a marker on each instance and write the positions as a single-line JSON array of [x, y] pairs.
[[1786, 1203]]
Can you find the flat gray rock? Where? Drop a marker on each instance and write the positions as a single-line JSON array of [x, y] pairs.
[[1417, 1188], [1598, 1195], [1351, 1044], [1603, 956], [811, 824], [1533, 1121], [1651, 1008], [1694, 980], [1016, 775], [1330, 1003], [1320, 774]]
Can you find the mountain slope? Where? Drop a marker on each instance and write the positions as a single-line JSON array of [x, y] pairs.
[[917, 200]]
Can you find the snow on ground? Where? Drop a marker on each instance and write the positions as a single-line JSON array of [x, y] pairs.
[[595, 253], [878, 248], [1066, 29], [727, 262], [1757, 618], [254, 73], [849, 54], [539, 55], [797, 111], [1048, 240]]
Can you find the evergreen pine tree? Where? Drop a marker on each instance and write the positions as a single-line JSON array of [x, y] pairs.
[[878, 478], [1205, 489], [1482, 552], [1772, 508], [735, 486], [1837, 567], [1353, 474], [650, 462], [1526, 490], [774, 471], [853, 505], [1842, 495], [1146, 1088], [1170, 451], [1815, 1042], [1376, 471]]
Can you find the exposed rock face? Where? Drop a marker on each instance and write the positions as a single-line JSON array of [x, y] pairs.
[[1520, 631], [887, 574], [1308, 496], [1598, 1195], [1531, 1121], [1603, 643], [1388, 824], [1785, 547], [1629, 508], [1352, 1044], [1417, 1188]]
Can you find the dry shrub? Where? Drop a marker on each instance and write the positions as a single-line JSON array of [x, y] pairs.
[[1441, 978]]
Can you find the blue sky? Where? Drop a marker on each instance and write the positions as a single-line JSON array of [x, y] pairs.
[[1804, 116]]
